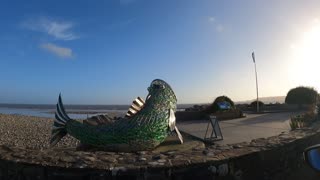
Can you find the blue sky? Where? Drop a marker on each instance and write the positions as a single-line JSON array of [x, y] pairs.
[[108, 51]]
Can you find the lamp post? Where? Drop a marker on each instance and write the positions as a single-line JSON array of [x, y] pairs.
[[255, 69]]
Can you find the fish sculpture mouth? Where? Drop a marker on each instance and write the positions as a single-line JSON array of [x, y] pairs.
[[146, 125]]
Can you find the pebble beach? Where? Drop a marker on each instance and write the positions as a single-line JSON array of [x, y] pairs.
[[30, 132]]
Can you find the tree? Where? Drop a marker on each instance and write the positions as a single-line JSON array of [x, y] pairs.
[[254, 104], [302, 95], [214, 107]]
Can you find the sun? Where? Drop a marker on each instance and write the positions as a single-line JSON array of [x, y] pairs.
[[305, 63], [311, 45]]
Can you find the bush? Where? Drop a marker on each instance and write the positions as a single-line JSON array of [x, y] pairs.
[[214, 107], [254, 105], [302, 95], [224, 98]]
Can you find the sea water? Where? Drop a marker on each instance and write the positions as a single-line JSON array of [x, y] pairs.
[[49, 113]]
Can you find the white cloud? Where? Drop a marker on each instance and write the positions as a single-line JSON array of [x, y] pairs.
[[220, 28], [211, 19], [57, 29], [62, 52]]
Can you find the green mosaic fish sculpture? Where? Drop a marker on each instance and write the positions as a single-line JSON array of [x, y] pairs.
[[142, 130]]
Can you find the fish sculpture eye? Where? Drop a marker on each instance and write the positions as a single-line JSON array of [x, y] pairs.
[[158, 86]]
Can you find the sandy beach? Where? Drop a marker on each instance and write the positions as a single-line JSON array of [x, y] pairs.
[[29, 132]]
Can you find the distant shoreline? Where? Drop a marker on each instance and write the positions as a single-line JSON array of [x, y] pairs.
[[73, 113], [79, 112], [53, 106], [87, 112]]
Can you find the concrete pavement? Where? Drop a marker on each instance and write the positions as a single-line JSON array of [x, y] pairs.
[[243, 129]]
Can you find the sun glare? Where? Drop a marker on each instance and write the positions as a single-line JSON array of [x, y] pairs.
[[311, 45], [305, 64]]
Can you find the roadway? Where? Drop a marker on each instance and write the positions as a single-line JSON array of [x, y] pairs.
[[245, 129]]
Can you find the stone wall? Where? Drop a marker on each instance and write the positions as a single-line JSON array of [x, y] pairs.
[[277, 107], [278, 157], [199, 115], [190, 115]]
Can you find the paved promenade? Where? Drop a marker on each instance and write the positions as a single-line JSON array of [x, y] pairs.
[[243, 129]]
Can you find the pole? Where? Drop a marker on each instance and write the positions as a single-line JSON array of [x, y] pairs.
[[255, 69]]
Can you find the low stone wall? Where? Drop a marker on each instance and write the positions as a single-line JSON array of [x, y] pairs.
[[228, 115], [278, 157], [190, 116], [277, 108], [199, 115]]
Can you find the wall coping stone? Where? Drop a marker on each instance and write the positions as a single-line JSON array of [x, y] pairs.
[[115, 162], [274, 157]]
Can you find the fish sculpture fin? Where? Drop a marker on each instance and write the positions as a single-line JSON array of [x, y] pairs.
[[98, 120], [179, 134], [59, 125], [135, 107], [172, 125], [172, 120]]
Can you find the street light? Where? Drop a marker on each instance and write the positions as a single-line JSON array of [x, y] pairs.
[[255, 69]]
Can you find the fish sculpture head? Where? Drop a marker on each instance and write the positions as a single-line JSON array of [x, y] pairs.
[[162, 98], [161, 95]]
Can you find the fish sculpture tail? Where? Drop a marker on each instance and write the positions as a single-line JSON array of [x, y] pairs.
[[59, 125]]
